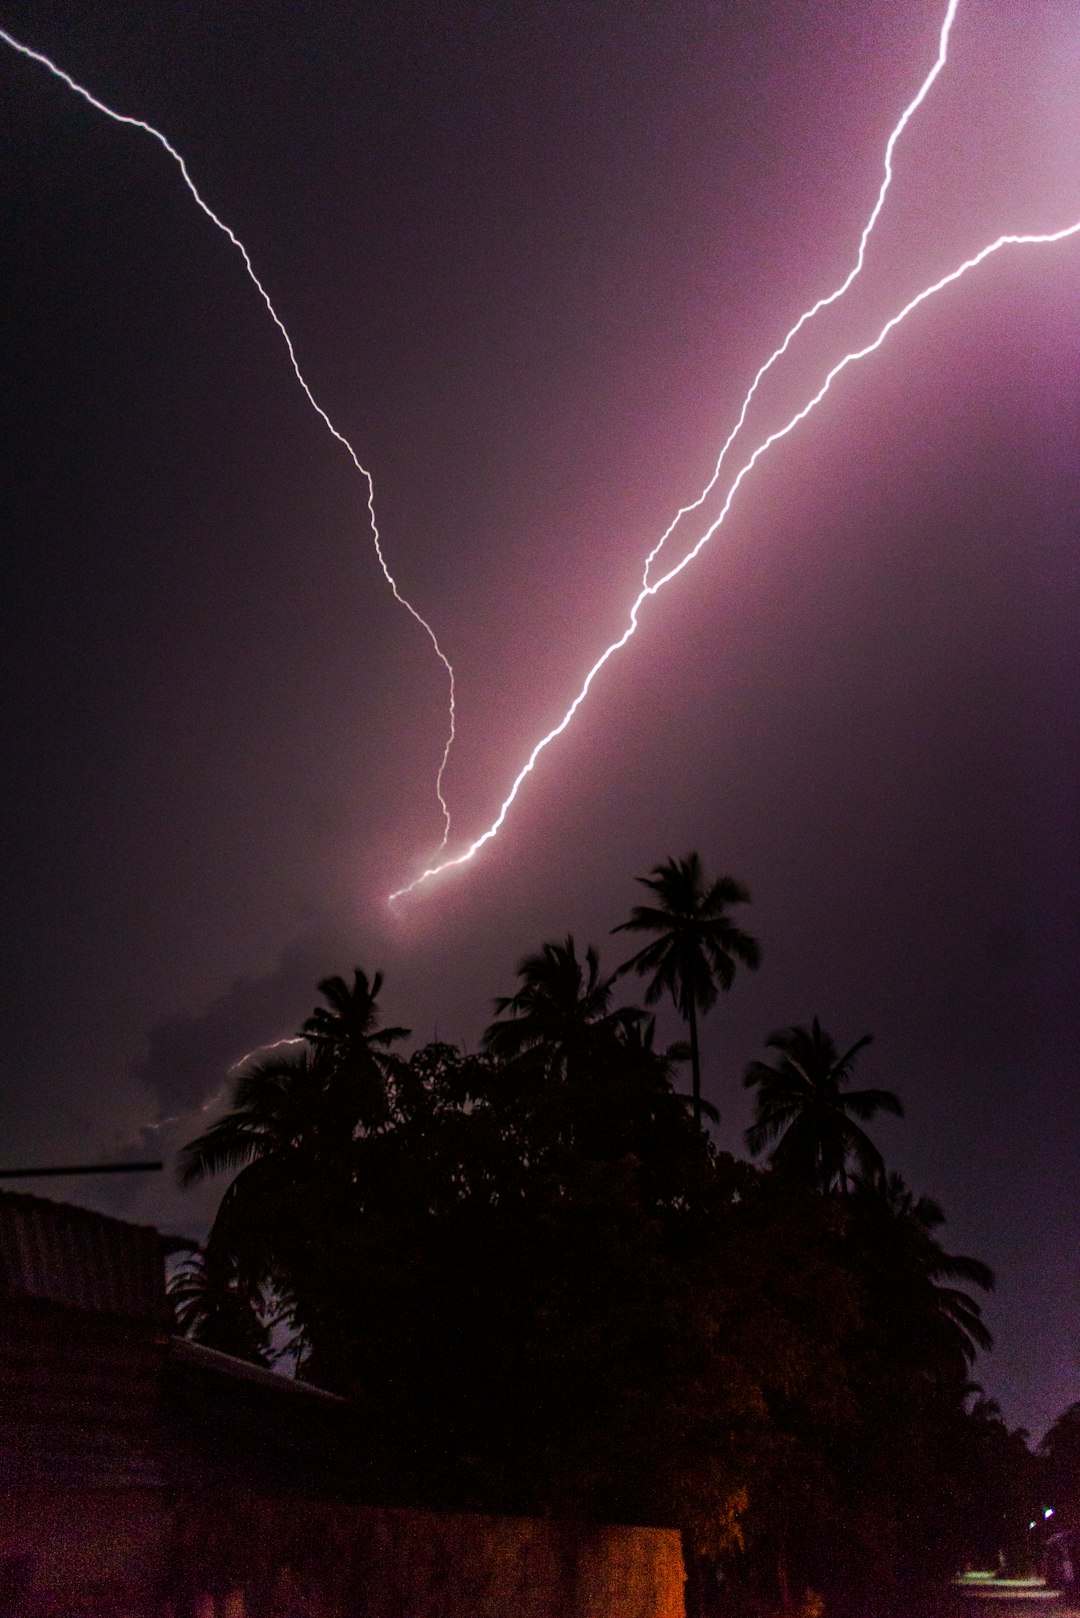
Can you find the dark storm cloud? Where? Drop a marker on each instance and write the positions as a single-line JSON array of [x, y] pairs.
[[189, 1055]]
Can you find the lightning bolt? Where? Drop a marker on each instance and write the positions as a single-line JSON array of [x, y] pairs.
[[262, 1050], [155, 134], [649, 587], [234, 1067], [653, 589], [830, 298]]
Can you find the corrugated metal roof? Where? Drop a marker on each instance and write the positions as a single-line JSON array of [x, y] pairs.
[[218, 1364], [67, 1255]]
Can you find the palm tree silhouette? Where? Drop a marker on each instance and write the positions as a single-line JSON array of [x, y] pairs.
[[213, 1307], [277, 1115], [347, 1033], [802, 1103], [283, 1145], [291, 1128], [920, 1288], [697, 948], [557, 1035]]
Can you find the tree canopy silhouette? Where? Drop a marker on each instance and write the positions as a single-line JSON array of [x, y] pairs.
[[547, 1291]]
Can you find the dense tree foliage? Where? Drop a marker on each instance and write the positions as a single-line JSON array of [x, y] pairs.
[[212, 1306], [548, 1292]]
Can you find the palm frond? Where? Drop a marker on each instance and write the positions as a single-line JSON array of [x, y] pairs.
[[866, 1104], [221, 1148], [955, 1267]]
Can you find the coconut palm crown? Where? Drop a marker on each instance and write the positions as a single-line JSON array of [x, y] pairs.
[[804, 1105], [557, 1038], [697, 948], [287, 1137]]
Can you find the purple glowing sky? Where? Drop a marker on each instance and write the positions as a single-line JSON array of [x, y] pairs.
[[531, 258]]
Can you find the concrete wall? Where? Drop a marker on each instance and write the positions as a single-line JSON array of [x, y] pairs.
[[81, 1553], [144, 1479], [141, 1555]]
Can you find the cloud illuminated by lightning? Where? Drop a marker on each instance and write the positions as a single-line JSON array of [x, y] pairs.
[[823, 303], [264, 1050], [148, 129], [234, 1067], [654, 588]]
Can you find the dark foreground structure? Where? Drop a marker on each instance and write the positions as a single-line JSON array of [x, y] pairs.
[[142, 1476]]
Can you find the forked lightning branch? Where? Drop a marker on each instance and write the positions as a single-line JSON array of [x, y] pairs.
[[650, 586]]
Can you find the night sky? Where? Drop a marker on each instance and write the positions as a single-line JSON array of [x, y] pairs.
[[531, 256]]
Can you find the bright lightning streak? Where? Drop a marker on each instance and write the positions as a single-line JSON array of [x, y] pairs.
[[148, 129], [654, 588], [823, 303], [219, 1095], [261, 1050], [175, 1118]]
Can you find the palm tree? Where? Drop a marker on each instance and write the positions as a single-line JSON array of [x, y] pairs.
[[919, 1289], [282, 1143], [347, 1033], [213, 1307], [697, 948], [803, 1104], [557, 1035], [657, 1066], [292, 1125]]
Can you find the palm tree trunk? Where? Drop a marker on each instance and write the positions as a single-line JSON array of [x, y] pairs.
[[695, 1062]]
